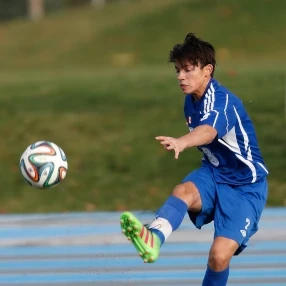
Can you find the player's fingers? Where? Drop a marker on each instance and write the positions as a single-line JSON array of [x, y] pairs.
[[176, 153], [169, 147], [160, 138], [165, 142]]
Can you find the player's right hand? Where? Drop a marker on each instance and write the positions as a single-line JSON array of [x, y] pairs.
[[171, 143]]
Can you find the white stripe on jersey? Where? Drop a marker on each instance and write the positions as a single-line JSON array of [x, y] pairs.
[[205, 103], [263, 167], [213, 96], [209, 100], [209, 105], [217, 113], [250, 165], [245, 137], [226, 103], [229, 140]]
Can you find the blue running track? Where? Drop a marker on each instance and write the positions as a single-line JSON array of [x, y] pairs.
[[88, 249]]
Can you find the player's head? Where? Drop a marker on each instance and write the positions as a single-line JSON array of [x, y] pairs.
[[194, 62]]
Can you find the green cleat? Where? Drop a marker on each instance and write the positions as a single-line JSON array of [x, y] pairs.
[[146, 243]]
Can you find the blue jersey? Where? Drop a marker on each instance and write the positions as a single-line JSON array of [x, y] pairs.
[[233, 156]]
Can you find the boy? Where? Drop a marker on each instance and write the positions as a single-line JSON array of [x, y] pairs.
[[230, 187]]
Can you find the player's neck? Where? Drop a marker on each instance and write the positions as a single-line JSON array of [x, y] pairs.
[[197, 95]]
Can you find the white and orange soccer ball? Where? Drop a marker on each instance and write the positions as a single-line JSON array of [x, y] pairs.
[[43, 164]]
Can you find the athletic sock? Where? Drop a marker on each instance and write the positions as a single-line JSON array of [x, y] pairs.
[[214, 278], [168, 217]]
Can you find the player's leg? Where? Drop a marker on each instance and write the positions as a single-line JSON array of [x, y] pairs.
[[170, 215], [148, 240], [237, 213], [187, 196], [220, 255]]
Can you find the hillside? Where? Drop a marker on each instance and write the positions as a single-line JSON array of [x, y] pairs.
[[98, 84], [142, 32]]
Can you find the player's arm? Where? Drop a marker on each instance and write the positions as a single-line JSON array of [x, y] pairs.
[[218, 120], [201, 135]]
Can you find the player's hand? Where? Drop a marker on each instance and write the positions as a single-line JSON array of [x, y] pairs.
[[171, 143]]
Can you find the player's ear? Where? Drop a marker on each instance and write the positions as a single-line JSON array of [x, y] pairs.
[[208, 70]]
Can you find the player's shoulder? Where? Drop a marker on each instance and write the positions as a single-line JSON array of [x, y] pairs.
[[220, 89], [223, 93]]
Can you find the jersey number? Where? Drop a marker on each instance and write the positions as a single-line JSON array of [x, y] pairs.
[[212, 158]]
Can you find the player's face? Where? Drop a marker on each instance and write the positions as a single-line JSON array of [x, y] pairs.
[[193, 79]]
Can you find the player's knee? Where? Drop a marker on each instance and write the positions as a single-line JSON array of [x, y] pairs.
[[188, 193], [218, 261]]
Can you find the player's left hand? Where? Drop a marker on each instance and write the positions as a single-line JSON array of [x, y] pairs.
[[171, 143]]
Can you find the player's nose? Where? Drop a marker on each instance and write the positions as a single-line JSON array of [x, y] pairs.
[[180, 75]]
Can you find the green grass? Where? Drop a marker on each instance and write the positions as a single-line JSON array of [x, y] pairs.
[[97, 83], [108, 130]]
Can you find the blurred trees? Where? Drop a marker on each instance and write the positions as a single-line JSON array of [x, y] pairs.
[[10, 9], [35, 9]]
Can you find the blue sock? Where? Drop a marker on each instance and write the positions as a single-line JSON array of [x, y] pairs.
[[213, 278], [173, 211]]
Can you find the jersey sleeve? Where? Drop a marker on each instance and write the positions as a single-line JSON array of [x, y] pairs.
[[218, 113]]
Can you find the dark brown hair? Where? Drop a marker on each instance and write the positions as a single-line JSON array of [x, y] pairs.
[[194, 51]]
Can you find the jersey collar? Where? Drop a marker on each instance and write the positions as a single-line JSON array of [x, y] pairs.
[[212, 82]]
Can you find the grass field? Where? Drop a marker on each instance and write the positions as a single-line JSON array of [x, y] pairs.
[[98, 84]]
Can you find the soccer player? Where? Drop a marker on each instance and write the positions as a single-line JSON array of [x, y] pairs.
[[230, 186]]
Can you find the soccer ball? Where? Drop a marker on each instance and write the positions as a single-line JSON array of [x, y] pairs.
[[43, 164]]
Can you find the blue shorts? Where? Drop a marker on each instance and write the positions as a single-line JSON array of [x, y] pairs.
[[235, 210]]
